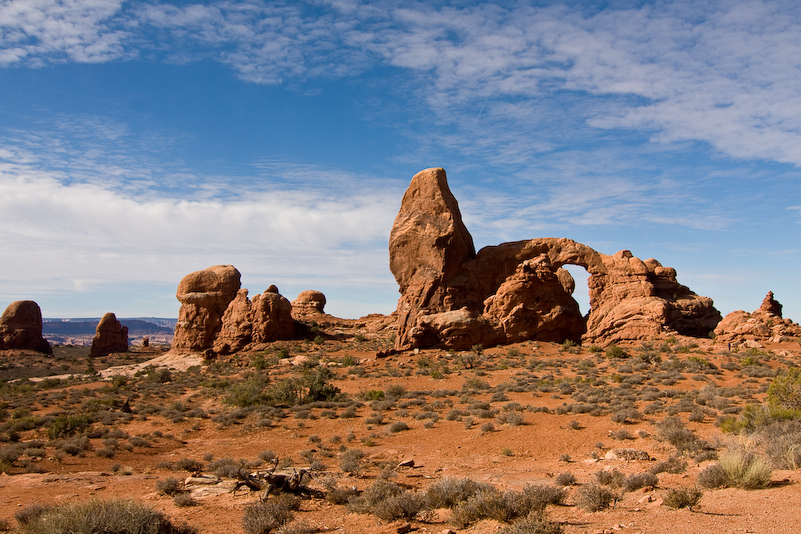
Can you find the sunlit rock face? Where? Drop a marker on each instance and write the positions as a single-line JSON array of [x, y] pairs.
[[763, 324], [204, 297], [453, 297]]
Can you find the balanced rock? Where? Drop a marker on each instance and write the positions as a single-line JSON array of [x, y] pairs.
[[21, 328], [452, 297], [110, 336], [308, 304], [267, 318], [204, 296], [766, 322]]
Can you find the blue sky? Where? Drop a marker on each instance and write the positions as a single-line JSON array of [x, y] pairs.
[[141, 141]]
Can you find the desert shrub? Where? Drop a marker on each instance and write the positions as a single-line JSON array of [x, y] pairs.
[[636, 481], [745, 469], [490, 503], [511, 418], [398, 426], [265, 516], [5, 525], [74, 446], [169, 486], [613, 478], [31, 513], [449, 492], [712, 477], [182, 500], [405, 505], [682, 497], [532, 524], [593, 497], [626, 415], [107, 517], [350, 460], [298, 527], [225, 467], [379, 491], [267, 456], [673, 465], [613, 351], [67, 425], [782, 442], [785, 390], [188, 464], [565, 479], [672, 430]]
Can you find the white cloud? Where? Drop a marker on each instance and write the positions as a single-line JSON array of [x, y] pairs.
[[62, 235], [725, 73], [38, 31]]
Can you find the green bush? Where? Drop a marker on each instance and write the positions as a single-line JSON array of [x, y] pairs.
[[99, 517], [785, 390], [67, 425]]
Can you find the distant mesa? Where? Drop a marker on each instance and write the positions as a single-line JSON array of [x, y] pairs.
[[21, 328], [763, 324], [110, 336], [454, 297]]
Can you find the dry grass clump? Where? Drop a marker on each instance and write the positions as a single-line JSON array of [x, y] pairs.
[[108, 517], [745, 470]]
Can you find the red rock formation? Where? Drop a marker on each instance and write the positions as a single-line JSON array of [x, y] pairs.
[[427, 246], [764, 323], [516, 291], [308, 304], [204, 297], [21, 328], [268, 317], [110, 336]]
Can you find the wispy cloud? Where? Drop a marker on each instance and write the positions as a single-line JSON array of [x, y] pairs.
[[724, 73]]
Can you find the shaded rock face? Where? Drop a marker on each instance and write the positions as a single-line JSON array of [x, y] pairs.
[[21, 328], [204, 297], [453, 297], [267, 318], [762, 324], [110, 336]]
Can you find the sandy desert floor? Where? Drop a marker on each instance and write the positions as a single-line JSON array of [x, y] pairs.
[[527, 414]]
